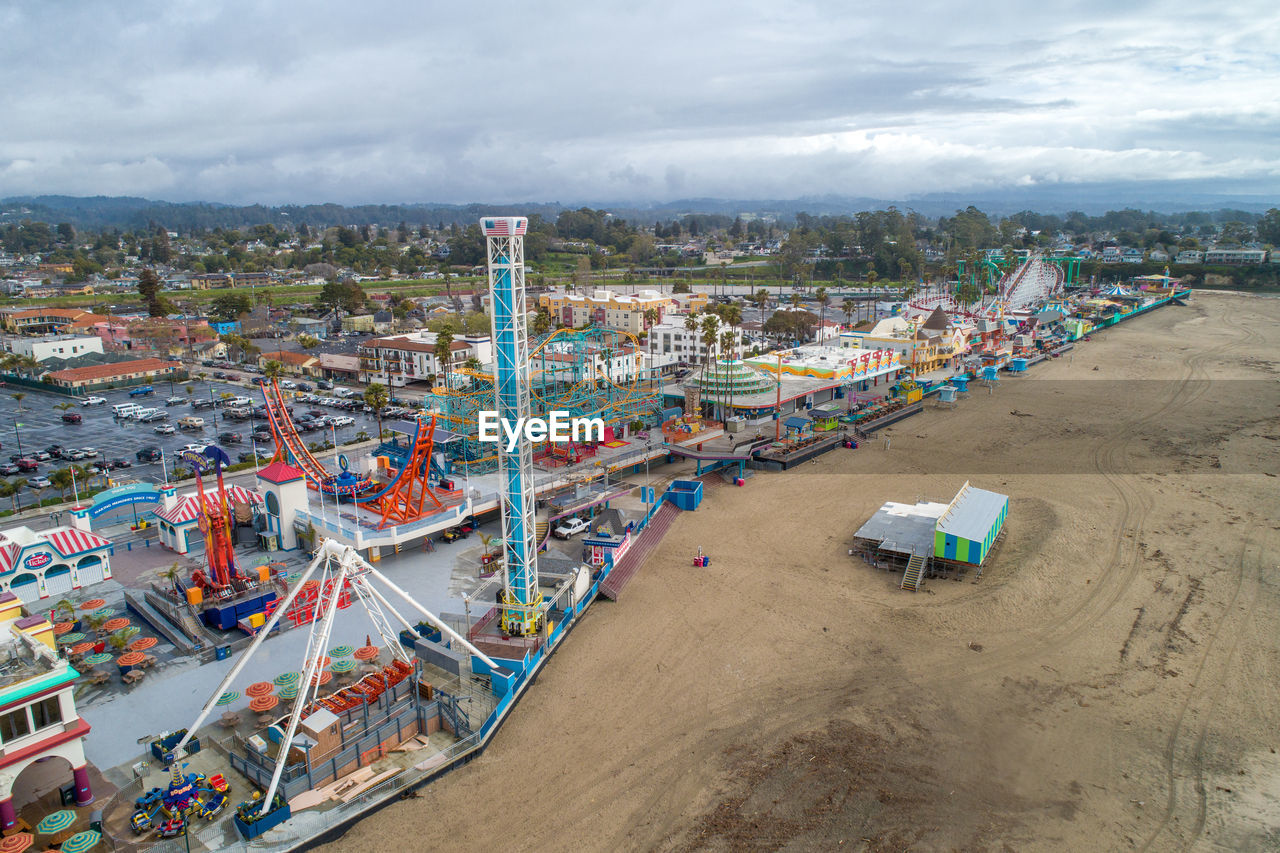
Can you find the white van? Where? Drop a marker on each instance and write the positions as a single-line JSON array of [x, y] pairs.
[[141, 412], [124, 410]]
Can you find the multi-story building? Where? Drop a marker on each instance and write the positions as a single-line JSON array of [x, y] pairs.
[[674, 339], [62, 346], [47, 321], [399, 360], [1189, 256], [625, 312], [1236, 257], [41, 732]]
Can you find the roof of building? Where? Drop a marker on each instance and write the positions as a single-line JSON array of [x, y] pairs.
[[91, 372], [280, 472], [67, 541], [904, 528], [972, 513], [301, 359], [188, 506]]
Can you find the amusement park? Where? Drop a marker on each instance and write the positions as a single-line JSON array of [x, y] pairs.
[[319, 664]]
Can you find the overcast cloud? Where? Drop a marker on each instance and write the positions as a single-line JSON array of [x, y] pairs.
[[402, 102]]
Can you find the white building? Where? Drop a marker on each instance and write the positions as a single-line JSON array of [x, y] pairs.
[[57, 346], [675, 340], [1235, 256], [52, 563]]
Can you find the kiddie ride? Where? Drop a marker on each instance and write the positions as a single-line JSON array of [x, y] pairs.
[[168, 810]]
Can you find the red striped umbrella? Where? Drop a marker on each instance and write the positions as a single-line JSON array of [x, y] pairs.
[[93, 604], [131, 659], [63, 628], [17, 842], [142, 644], [259, 688], [113, 625], [81, 648], [322, 678], [366, 653], [258, 704]]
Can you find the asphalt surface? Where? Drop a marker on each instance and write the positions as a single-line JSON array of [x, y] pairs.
[[39, 425]]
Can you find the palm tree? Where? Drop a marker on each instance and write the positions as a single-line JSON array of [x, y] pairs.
[[376, 397], [272, 370], [848, 306], [541, 322], [823, 299], [726, 346], [172, 574], [10, 489], [710, 337], [61, 480], [444, 351]]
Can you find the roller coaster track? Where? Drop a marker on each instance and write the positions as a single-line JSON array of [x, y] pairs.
[[291, 449]]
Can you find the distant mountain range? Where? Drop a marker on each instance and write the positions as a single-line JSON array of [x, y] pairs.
[[128, 213]]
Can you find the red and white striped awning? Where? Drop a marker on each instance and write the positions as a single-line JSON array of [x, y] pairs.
[[188, 507], [9, 555], [69, 541]]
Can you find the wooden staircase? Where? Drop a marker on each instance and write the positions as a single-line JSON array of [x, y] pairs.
[[540, 531], [629, 564], [911, 578]]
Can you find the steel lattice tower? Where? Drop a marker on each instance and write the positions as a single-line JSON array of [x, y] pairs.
[[521, 598]]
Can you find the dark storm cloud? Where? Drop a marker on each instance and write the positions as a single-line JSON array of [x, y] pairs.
[[398, 101]]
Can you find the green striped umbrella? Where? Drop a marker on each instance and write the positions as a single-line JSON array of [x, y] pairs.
[[343, 665], [104, 612], [341, 651], [72, 638], [95, 660], [286, 678], [228, 697], [293, 576], [290, 692], [81, 842], [56, 822]]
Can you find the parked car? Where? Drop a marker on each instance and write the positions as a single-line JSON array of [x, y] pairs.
[[39, 482], [118, 463], [8, 469], [324, 384], [201, 404], [194, 448], [342, 421], [74, 455], [229, 437], [26, 464], [142, 391], [570, 527], [89, 451], [93, 401], [166, 429], [71, 417], [218, 374], [191, 422], [152, 417], [175, 401], [40, 456], [148, 454], [288, 384], [304, 386], [249, 456], [54, 450]]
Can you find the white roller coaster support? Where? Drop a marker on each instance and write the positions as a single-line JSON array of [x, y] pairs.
[[432, 618], [327, 547]]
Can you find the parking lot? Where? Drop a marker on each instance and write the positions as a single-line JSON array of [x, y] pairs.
[[39, 425]]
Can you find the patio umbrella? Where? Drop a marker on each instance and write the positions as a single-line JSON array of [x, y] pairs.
[[142, 644], [81, 648], [81, 842], [286, 678], [113, 625], [322, 678], [131, 658], [258, 688], [258, 704], [341, 651], [367, 653], [93, 604], [63, 628], [104, 612], [72, 638], [98, 659], [17, 842], [290, 692], [344, 665], [228, 697], [323, 661], [56, 822]]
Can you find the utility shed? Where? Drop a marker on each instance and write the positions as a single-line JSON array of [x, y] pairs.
[[969, 527]]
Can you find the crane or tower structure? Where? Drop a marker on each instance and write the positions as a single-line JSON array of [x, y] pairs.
[[520, 599], [215, 517]]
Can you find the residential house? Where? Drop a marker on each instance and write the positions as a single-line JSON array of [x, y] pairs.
[[292, 363]]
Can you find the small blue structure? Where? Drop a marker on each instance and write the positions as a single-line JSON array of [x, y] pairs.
[[990, 373], [685, 494], [961, 384], [947, 394], [1017, 365], [797, 426]]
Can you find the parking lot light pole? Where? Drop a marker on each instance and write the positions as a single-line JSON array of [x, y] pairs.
[[16, 434]]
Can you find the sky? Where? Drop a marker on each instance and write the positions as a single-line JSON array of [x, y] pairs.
[[381, 102]]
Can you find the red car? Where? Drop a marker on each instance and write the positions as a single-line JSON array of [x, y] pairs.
[[71, 418], [27, 465]]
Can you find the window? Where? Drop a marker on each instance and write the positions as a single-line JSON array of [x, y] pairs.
[[14, 725], [46, 712]]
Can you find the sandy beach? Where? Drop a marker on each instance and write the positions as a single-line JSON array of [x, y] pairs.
[[1110, 683]]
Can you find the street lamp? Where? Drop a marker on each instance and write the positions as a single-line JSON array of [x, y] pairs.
[[16, 435]]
